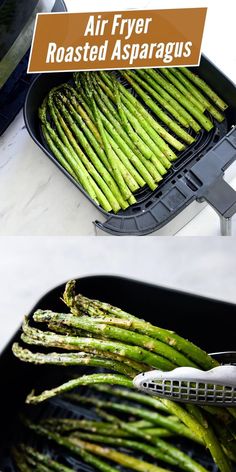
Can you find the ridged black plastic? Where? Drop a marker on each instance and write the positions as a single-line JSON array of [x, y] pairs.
[[209, 323]]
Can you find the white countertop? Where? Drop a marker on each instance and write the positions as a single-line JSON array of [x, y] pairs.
[[32, 266], [37, 199]]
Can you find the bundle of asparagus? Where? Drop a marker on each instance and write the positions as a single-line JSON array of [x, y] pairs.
[[97, 334], [84, 437], [108, 140]]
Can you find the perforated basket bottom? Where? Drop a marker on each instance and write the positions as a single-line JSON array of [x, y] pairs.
[[59, 408]]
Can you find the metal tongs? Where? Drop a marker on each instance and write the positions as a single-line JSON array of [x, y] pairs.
[[190, 385]]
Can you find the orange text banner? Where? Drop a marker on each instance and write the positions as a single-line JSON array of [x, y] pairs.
[[117, 40]]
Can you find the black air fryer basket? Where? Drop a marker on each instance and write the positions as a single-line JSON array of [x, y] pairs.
[[196, 175], [14, 91], [209, 323]]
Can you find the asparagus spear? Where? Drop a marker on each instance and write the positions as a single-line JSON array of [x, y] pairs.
[[81, 381], [132, 395], [157, 110], [105, 103], [69, 425], [184, 461], [136, 106], [35, 336], [176, 89], [89, 140], [205, 122], [71, 359], [64, 442], [146, 145], [159, 98], [105, 195], [155, 418], [44, 459], [77, 167], [206, 89], [108, 150], [58, 154], [134, 177], [113, 332], [195, 92], [97, 308], [118, 457], [42, 338], [131, 444], [20, 460], [146, 75], [94, 141], [115, 129], [119, 133]]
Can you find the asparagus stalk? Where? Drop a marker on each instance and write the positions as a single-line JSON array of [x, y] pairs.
[[97, 308], [77, 167], [206, 89], [111, 379], [105, 195], [158, 111], [130, 131], [136, 105], [115, 129], [203, 429], [211, 440], [184, 461], [64, 442], [176, 89], [146, 145], [135, 178], [99, 156], [145, 167], [59, 156], [34, 336], [108, 150], [95, 167], [148, 141], [71, 425], [20, 461], [118, 457], [159, 98], [122, 174], [195, 92], [128, 443], [68, 425], [200, 117], [125, 148], [147, 76], [113, 332], [44, 459], [110, 113], [132, 395], [155, 418], [71, 359], [42, 338]]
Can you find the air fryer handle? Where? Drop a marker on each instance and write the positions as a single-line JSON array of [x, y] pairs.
[[222, 197], [209, 175]]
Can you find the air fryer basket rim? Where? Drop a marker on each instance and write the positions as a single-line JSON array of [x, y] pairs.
[[163, 288]]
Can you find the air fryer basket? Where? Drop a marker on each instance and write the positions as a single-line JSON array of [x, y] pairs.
[[197, 174], [191, 316]]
